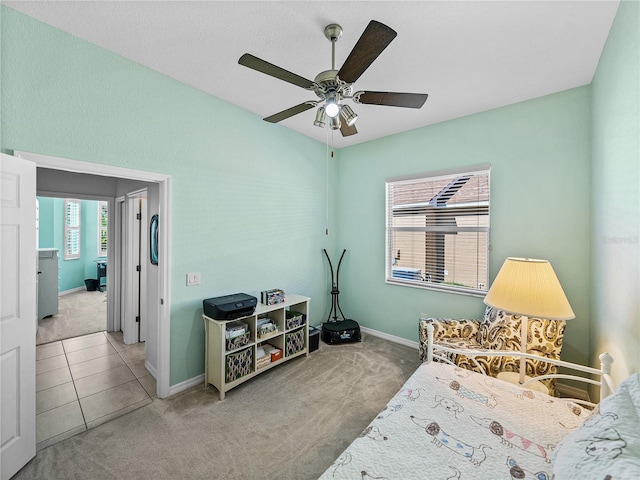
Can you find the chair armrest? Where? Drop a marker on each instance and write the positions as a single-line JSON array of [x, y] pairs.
[[455, 333], [459, 329]]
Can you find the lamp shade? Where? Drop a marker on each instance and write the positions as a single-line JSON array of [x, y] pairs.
[[527, 286]]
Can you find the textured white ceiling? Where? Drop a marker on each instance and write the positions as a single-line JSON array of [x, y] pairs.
[[469, 56]]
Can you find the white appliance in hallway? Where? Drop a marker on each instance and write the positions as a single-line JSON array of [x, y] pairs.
[[47, 282]]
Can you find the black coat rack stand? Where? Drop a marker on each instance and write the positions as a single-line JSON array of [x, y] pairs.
[[334, 330], [335, 291]]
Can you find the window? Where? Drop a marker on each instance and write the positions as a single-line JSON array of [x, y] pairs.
[[71, 229], [438, 230], [103, 218]]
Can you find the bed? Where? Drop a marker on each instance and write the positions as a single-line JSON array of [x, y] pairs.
[[450, 423]]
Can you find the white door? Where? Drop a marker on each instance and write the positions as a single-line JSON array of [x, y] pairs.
[[18, 313], [143, 253], [134, 294]]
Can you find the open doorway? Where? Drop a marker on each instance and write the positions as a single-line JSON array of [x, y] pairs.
[[89, 370], [72, 268], [19, 269], [65, 178]]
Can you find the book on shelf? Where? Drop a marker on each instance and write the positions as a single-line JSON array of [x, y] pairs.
[[235, 329]]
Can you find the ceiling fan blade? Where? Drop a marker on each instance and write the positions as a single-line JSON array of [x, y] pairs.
[[347, 130], [263, 66], [375, 38], [393, 99], [290, 112]]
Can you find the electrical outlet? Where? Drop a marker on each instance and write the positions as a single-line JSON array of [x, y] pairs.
[[193, 279]]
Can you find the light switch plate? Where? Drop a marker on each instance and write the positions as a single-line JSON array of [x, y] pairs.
[[193, 279]]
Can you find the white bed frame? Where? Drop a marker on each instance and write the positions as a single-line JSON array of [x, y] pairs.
[[603, 375]]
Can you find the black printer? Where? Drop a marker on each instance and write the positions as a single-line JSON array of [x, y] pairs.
[[229, 307]]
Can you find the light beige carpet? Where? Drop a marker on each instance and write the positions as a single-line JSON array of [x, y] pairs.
[[291, 422], [79, 313]]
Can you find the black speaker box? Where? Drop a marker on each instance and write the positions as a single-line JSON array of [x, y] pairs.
[[343, 331]]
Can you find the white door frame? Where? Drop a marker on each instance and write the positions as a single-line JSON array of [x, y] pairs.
[[114, 321], [164, 237]]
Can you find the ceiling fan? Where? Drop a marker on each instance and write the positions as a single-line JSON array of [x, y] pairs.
[[333, 86]]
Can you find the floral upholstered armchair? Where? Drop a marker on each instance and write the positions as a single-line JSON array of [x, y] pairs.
[[498, 330]]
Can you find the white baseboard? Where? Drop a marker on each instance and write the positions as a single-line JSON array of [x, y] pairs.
[[391, 338], [151, 369], [71, 290], [187, 384], [192, 382]]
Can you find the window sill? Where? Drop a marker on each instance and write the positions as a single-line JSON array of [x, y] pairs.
[[438, 288]]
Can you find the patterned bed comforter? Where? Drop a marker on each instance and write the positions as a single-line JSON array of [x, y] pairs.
[[450, 423]]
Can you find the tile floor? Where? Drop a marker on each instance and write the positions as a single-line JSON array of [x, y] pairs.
[[84, 381]]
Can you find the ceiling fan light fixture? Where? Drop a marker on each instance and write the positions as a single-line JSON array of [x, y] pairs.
[[349, 116], [334, 85], [331, 107], [320, 118]]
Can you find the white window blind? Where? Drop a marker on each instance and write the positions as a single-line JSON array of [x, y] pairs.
[[103, 218], [438, 230], [71, 229]]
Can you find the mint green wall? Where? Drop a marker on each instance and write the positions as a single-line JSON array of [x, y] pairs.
[[616, 197], [72, 273], [51, 226], [90, 239], [46, 226], [539, 153], [249, 199]]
